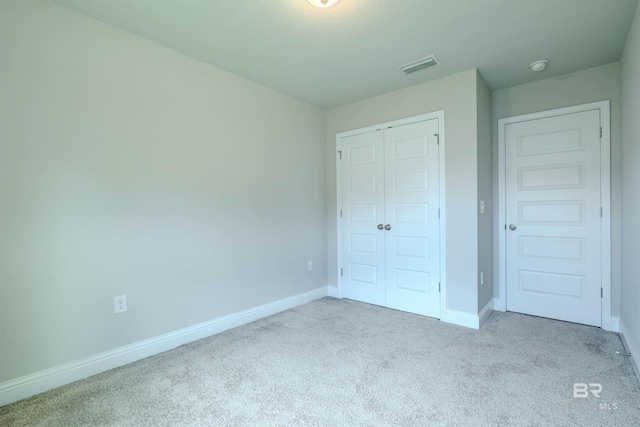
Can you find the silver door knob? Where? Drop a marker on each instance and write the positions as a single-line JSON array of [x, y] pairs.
[[380, 226], [512, 227], [387, 227]]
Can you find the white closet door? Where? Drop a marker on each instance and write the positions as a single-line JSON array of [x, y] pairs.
[[390, 231], [362, 242], [411, 217], [553, 217]]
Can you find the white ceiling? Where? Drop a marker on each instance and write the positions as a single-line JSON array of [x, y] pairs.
[[352, 51]]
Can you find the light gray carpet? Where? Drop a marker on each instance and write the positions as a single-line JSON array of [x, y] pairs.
[[342, 363]]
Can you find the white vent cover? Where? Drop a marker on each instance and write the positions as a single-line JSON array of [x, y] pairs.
[[420, 64]]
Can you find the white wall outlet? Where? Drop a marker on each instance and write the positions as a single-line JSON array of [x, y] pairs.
[[120, 304], [309, 265], [481, 206], [481, 278]]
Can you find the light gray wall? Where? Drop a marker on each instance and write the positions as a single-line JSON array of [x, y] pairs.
[[630, 76], [456, 95], [594, 84], [127, 168], [485, 193]]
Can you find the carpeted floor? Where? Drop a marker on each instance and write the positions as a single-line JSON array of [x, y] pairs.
[[343, 363]]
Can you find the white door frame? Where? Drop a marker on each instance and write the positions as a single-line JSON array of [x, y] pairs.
[[441, 160], [500, 303]]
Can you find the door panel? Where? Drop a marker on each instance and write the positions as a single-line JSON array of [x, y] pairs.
[[391, 178], [553, 201], [411, 210], [362, 189]]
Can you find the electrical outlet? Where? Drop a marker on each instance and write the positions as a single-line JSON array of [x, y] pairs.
[[481, 278], [120, 304], [309, 265]]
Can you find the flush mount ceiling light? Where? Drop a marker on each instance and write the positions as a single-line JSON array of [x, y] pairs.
[[539, 65], [420, 64], [323, 3]]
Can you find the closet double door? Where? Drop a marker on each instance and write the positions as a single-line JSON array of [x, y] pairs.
[[389, 230]]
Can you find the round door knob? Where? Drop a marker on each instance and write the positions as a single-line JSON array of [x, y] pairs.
[[387, 227], [380, 226], [512, 227]]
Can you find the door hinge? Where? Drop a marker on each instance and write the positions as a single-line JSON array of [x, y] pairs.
[[601, 212], [340, 154], [340, 272], [438, 213], [600, 131], [437, 137], [439, 286], [601, 293], [340, 213]]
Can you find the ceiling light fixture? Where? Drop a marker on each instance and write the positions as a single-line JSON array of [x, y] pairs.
[[539, 65], [323, 3]]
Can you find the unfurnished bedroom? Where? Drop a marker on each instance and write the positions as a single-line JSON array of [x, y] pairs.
[[319, 212]]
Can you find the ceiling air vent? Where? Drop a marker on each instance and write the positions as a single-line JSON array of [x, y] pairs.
[[420, 64]]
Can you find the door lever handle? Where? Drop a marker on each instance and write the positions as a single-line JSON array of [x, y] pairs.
[[387, 227], [512, 227], [380, 226]]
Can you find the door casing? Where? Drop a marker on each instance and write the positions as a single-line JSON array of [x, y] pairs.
[[500, 302], [441, 158]]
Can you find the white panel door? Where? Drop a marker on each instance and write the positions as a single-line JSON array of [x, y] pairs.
[[362, 190], [411, 216], [553, 242], [390, 242]]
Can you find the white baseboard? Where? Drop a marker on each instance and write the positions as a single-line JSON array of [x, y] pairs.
[[632, 347], [462, 318], [485, 313], [29, 385], [615, 324], [334, 291], [470, 320]]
